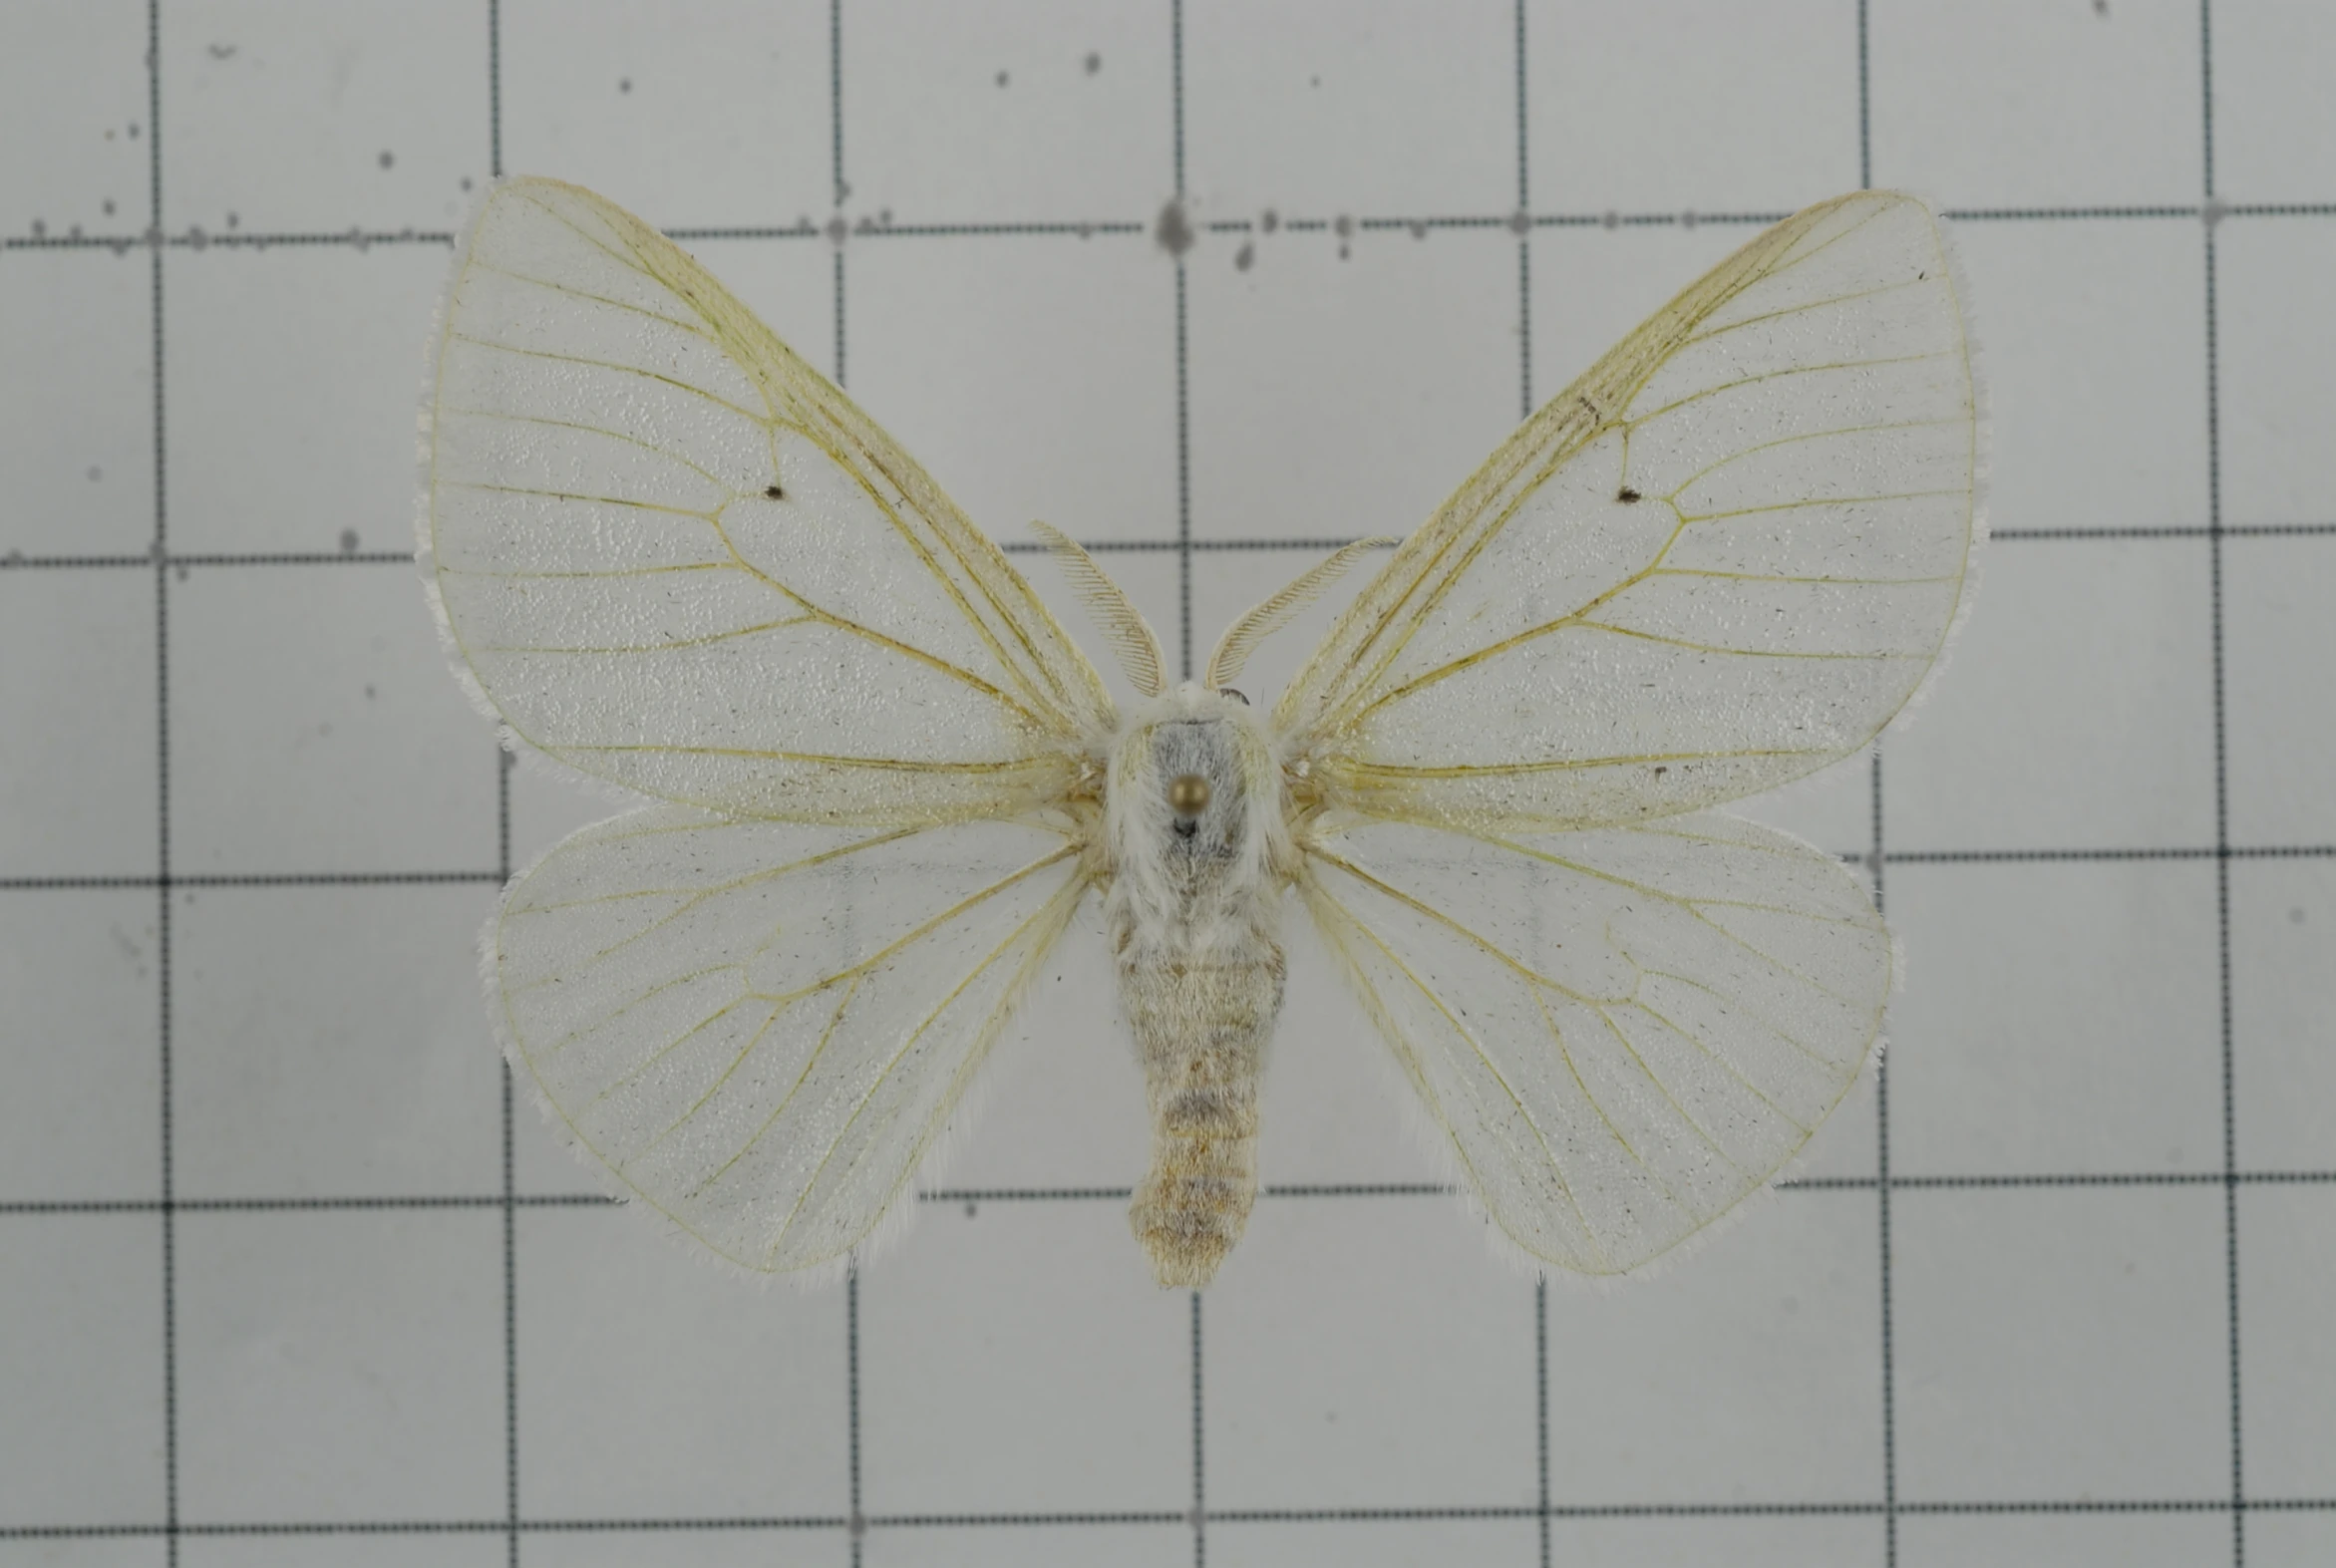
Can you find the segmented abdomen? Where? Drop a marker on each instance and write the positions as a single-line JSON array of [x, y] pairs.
[[1202, 1024]]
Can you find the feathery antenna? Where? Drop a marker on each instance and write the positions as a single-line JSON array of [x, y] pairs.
[[1129, 634], [1242, 637]]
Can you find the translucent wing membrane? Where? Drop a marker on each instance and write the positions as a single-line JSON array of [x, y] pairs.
[[760, 1027], [1623, 1032], [674, 556], [1723, 557]]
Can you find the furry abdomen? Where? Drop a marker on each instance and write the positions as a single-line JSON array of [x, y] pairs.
[[1202, 1021]]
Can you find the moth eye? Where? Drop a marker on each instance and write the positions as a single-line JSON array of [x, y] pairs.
[[1227, 691], [1188, 795]]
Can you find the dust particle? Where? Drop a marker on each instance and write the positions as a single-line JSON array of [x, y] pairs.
[[348, 541], [1270, 221], [1003, 79], [1245, 257], [1094, 62], [624, 84], [222, 51], [108, 208], [1172, 230], [388, 158]]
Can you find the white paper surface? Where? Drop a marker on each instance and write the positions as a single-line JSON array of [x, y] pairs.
[[286, 1278]]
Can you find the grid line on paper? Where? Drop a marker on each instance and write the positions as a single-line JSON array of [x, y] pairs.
[[409, 878], [1123, 226], [2222, 852], [1882, 1068], [504, 762], [855, 1524], [163, 931], [1525, 388], [2217, 646], [1813, 1509], [1273, 1191], [212, 559]]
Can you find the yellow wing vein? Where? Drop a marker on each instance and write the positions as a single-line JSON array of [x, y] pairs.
[[674, 382], [1548, 1150], [1565, 1054], [1056, 912], [1721, 1063], [751, 355], [1661, 1087], [906, 1044], [835, 1021], [1636, 420], [1725, 1065], [675, 1044], [1782, 311], [1845, 582], [978, 558], [1734, 653], [598, 501], [1798, 438], [678, 323], [1691, 907], [671, 646], [590, 430], [554, 1048], [567, 576], [1809, 503], [1478, 656], [1393, 771]]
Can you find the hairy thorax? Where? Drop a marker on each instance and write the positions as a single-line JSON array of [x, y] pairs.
[[1200, 855]]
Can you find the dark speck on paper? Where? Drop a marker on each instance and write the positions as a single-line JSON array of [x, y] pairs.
[[1172, 230]]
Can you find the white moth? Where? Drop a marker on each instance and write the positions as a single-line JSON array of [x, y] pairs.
[[670, 554]]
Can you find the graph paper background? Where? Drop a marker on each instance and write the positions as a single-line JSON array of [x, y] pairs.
[[289, 1274]]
